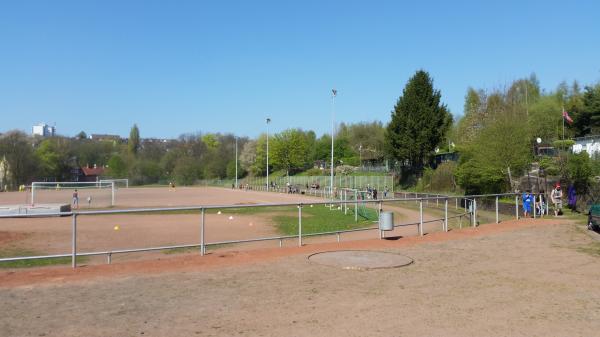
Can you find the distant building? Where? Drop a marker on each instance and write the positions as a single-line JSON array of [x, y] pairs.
[[443, 157], [88, 173], [43, 130], [156, 140], [104, 137], [589, 144]]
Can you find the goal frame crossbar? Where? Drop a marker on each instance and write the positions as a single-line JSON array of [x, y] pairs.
[[76, 184]]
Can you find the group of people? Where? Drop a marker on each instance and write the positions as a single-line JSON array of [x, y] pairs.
[[539, 202]]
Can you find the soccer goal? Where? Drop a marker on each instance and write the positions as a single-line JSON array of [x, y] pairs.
[[118, 182], [89, 194]]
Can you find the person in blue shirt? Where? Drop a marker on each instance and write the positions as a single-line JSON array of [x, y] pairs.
[[527, 200]]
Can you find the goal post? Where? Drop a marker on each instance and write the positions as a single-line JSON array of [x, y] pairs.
[[93, 193], [118, 182]]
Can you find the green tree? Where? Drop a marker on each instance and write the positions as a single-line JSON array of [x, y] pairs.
[[579, 171], [17, 152], [290, 150], [587, 121], [134, 140], [503, 146], [211, 141], [365, 140], [419, 122], [117, 167], [81, 135], [545, 118], [473, 116], [53, 156], [186, 171]]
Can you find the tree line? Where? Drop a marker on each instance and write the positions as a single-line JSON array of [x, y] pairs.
[[186, 159], [496, 138]]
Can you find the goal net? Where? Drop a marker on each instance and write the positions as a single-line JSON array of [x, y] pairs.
[[89, 194]]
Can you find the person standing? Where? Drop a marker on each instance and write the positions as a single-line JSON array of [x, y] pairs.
[[571, 198], [527, 199], [75, 201], [556, 197], [541, 203]]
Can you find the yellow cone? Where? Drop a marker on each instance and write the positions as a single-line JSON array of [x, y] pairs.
[[116, 227]]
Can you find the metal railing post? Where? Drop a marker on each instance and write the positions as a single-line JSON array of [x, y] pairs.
[[202, 245], [497, 219], [456, 203], [446, 215], [474, 212], [517, 207], [300, 225], [421, 217], [355, 206], [533, 206], [112, 200], [74, 242]]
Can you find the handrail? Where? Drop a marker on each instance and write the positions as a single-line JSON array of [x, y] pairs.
[[472, 212]]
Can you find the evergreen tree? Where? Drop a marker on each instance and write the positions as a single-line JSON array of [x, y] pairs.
[[588, 119], [134, 140], [419, 123]]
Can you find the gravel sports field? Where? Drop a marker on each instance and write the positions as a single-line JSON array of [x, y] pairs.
[[517, 278]]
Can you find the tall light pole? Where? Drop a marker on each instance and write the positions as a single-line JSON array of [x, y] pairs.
[[236, 162], [333, 94], [268, 121], [360, 154]]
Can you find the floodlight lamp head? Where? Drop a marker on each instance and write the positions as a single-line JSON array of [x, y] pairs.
[[268, 120]]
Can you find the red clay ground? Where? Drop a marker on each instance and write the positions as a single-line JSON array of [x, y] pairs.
[[525, 278], [97, 233]]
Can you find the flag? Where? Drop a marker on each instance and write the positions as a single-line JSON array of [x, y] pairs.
[[567, 117]]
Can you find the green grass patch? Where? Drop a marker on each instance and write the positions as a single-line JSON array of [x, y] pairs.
[[319, 219], [591, 249], [34, 263]]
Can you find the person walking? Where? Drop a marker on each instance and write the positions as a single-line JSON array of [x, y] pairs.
[[556, 197]]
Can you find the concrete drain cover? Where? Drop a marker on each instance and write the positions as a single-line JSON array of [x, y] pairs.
[[360, 259]]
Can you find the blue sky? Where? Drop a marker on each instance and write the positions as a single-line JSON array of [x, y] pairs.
[[175, 67]]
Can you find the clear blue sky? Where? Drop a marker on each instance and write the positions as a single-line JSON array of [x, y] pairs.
[[185, 66]]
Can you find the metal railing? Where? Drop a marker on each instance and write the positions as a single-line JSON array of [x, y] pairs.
[[469, 210]]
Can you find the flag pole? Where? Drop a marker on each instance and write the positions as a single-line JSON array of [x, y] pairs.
[[563, 122]]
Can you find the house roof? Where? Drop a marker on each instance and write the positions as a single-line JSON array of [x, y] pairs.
[[92, 171]]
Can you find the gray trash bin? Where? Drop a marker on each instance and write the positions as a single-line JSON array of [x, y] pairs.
[[386, 221]]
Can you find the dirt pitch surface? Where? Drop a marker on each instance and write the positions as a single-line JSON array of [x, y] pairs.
[[522, 278], [52, 235]]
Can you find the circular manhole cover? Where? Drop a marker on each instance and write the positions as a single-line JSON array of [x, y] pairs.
[[360, 259]]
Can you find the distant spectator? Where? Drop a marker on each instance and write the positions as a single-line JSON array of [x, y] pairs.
[[541, 203], [556, 197], [571, 198], [527, 201], [75, 201]]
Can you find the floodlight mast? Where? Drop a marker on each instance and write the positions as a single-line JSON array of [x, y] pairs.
[[333, 94], [268, 121]]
